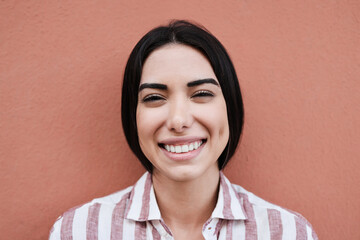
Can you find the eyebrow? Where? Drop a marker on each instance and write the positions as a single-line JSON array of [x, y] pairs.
[[189, 84], [153, 86], [202, 81]]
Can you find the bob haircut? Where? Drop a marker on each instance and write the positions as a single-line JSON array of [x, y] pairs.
[[182, 32]]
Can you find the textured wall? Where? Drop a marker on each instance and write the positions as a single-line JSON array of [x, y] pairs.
[[61, 65]]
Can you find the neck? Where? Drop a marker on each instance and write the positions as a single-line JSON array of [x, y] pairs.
[[187, 203]]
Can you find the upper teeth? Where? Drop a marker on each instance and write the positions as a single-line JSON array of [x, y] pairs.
[[183, 148]]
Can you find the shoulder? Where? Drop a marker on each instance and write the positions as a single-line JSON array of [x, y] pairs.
[[279, 222], [83, 217]]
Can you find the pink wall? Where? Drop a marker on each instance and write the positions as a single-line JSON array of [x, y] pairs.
[[61, 142]]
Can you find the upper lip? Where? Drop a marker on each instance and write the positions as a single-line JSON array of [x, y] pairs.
[[180, 140]]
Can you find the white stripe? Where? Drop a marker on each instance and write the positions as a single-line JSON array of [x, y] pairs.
[[262, 223], [79, 223], [309, 232], [238, 230], [149, 235], [129, 229], [55, 235], [136, 205], [288, 225], [105, 220], [218, 211], [154, 212]]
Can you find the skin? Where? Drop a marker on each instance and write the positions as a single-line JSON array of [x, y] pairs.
[[186, 107]]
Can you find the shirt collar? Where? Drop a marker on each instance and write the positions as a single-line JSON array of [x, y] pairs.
[[229, 205], [142, 205]]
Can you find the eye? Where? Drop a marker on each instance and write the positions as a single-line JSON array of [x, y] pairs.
[[153, 98], [202, 93]]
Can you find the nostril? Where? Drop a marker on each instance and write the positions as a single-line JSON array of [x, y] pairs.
[[177, 124]]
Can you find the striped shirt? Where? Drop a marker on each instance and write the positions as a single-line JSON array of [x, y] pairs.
[[134, 214]]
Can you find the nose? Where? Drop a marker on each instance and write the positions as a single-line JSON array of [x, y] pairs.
[[180, 117]]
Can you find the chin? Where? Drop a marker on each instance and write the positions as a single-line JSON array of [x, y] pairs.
[[185, 173], [185, 176]]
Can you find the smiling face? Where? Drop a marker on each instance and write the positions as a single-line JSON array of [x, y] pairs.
[[181, 114]]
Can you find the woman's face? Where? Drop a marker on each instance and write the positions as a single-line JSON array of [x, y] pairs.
[[181, 114]]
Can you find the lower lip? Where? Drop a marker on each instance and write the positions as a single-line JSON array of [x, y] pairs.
[[183, 156]]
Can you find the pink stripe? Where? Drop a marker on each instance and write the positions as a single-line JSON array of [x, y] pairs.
[[275, 224], [140, 230], [92, 222], [165, 227], [218, 227], [227, 199], [229, 230], [250, 223], [155, 233], [300, 229], [303, 221], [118, 219], [144, 214], [238, 197], [67, 223]]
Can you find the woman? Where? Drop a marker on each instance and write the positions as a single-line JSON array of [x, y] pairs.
[[182, 115]]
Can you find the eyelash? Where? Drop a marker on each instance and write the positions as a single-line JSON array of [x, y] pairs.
[[152, 98], [156, 97], [203, 93]]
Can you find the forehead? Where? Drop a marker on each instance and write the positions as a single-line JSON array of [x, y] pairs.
[[176, 62]]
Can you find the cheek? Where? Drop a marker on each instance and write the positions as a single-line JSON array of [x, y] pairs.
[[225, 123], [215, 118], [147, 121], [222, 126]]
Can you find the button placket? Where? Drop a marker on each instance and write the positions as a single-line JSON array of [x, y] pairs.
[[209, 230]]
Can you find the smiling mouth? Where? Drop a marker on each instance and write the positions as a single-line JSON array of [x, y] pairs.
[[182, 148]]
